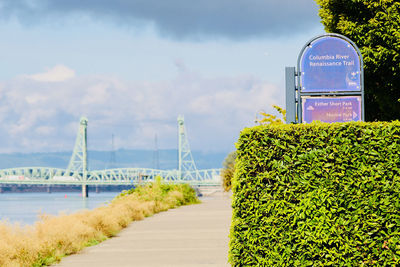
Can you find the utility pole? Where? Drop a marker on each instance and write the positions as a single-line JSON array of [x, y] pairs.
[[156, 155], [112, 154]]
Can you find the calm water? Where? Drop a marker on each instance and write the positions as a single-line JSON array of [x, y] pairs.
[[25, 207]]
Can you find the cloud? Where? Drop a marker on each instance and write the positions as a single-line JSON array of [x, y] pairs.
[[239, 19], [44, 116], [58, 73], [45, 130]]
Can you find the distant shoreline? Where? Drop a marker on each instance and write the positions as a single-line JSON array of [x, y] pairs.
[[165, 159], [21, 188]]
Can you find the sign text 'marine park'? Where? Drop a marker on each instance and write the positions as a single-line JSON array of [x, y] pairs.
[[328, 81]]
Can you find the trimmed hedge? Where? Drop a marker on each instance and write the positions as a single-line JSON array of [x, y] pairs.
[[317, 195]]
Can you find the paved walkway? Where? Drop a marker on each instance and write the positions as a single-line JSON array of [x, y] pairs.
[[195, 235]]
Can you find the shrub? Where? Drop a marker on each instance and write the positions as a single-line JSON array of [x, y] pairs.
[[228, 171], [317, 195]]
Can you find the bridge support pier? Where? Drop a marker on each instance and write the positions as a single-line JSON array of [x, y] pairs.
[[85, 191]]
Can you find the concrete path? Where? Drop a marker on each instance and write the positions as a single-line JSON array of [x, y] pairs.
[[195, 235]]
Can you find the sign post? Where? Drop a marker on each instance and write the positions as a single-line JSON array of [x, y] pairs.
[[329, 82]]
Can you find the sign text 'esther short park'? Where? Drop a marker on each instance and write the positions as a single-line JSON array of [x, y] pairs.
[[331, 109], [328, 84]]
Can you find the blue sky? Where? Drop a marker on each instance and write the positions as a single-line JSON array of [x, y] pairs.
[[133, 66]]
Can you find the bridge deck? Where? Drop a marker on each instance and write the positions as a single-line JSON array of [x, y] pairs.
[[195, 235], [120, 176]]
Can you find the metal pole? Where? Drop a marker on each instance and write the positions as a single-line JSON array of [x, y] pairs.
[[85, 188], [290, 95], [180, 135]]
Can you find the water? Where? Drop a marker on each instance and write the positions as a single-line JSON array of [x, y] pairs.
[[25, 207]]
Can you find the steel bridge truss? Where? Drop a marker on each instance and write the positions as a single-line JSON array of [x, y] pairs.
[[77, 172], [122, 176]]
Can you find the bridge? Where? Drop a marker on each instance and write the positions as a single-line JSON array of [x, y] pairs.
[[77, 172]]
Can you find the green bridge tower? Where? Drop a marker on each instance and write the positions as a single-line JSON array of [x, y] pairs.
[[185, 159], [78, 164]]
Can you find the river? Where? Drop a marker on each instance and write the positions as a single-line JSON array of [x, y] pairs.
[[25, 207]]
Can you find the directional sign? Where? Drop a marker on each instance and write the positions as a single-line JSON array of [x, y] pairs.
[[331, 109], [330, 64]]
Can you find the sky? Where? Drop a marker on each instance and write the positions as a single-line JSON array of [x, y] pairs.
[[132, 66]]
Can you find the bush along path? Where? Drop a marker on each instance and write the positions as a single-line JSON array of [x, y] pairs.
[[54, 237], [317, 195]]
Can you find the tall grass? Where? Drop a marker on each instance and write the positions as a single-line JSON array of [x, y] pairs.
[[53, 237]]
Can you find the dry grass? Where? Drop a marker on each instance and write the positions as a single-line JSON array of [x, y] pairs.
[[53, 237]]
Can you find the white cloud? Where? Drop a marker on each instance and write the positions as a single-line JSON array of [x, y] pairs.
[[58, 73], [45, 130], [35, 99], [96, 94], [45, 116]]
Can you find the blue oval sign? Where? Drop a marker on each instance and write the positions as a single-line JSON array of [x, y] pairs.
[[330, 64]]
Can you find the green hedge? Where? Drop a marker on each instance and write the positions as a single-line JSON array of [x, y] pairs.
[[317, 195]]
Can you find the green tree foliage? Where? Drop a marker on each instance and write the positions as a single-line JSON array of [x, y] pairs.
[[374, 25], [228, 170], [272, 119]]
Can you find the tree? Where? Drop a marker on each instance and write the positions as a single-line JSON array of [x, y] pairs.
[[228, 170], [374, 25], [272, 119]]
